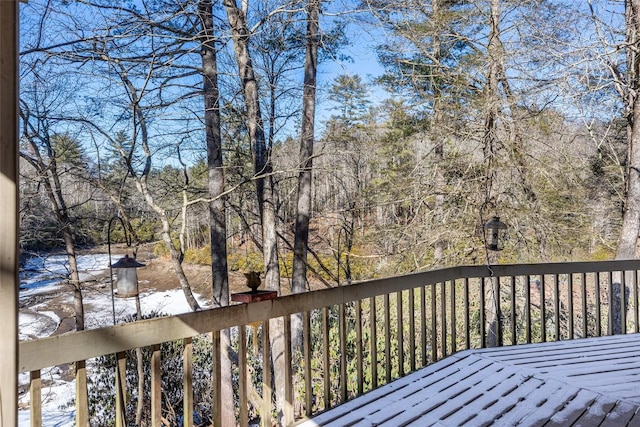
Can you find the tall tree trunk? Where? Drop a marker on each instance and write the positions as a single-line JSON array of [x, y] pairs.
[[490, 149], [438, 137], [50, 179], [53, 185], [74, 277], [630, 230], [264, 184], [217, 212], [299, 281]]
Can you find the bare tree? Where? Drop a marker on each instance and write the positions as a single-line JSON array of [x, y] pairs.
[[265, 185], [141, 178], [628, 85], [491, 145], [299, 281], [44, 152], [217, 210]]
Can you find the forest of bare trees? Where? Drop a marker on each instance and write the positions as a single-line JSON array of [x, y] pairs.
[[489, 107], [523, 109], [221, 133]]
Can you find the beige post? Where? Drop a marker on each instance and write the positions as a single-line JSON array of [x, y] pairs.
[[9, 213]]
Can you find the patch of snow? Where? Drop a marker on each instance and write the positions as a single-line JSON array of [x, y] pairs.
[[42, 271], [54, 400], [42, 275], [34, 324]]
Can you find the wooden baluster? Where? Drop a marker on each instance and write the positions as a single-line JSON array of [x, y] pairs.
[[454, 335], [267, 393], [598, 302], [570, 306], [610, 304], [443, 317], [82, 399], [400, 334], [527, 304], [387, 338], [423, 326], [623, 303], [156, 387], [543, 309], [359, 348], [514, 338], [308, 387], [467, 333], [288, 377], [325, 357], [434, 325], [35, 393], [583, 293], [121, 389], [242, 365], [556, 306], [216, 378], [412, 330], [373, 344], [498, 302], [187, 381], [342, 332], [634, 293], [483, 329]]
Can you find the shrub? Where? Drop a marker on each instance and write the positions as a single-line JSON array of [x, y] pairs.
[[102, 385], [198, 255], [248, 261]]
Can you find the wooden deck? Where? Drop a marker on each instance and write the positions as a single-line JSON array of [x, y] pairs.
[[586, 382]]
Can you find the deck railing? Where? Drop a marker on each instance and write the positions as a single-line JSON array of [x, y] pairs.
[[355, 338]]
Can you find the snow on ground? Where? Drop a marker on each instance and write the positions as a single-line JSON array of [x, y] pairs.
[[40, 283], [37, 324], [40, 272]]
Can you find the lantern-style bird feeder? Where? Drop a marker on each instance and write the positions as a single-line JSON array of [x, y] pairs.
[[494, 232], [127, 277]]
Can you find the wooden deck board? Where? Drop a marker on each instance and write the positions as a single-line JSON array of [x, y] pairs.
[[622, 415], [597, 412], [635, 420], [457, 386], [497, 400], [573, 409], [584, 382], [445, 405], [380, 393], [545, 399]]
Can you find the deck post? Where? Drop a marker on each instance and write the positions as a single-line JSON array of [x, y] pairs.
[[9, 212]]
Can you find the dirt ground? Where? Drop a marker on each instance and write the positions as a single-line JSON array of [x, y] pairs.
[[159, 274]]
